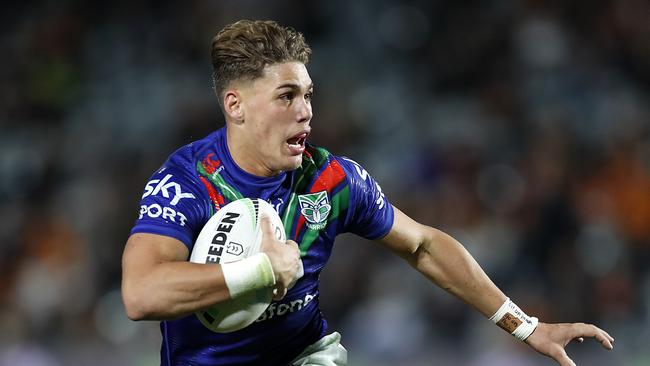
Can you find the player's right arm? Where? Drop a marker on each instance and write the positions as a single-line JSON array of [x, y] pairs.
[[159, 283]]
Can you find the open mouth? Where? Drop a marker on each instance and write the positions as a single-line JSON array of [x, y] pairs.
[[298, 141]]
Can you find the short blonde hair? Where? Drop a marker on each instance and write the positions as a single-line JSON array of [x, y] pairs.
[[241, 50]]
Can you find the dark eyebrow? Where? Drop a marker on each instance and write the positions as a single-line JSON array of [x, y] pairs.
[[294, 86]]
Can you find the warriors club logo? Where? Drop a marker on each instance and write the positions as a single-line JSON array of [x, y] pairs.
[[315, 207]]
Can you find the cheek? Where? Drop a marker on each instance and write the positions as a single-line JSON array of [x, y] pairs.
[[266, 138], [267, 133], [271, 129], [268, 127]]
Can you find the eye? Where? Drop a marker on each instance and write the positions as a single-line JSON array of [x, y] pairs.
[[286, 97], [309, 96]]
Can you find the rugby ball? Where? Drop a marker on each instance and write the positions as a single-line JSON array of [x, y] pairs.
[[232, 234]]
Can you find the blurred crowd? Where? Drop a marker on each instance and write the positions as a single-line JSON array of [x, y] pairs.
[[522, 128]]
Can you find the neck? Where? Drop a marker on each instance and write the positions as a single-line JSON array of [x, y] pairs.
[[244, 156]]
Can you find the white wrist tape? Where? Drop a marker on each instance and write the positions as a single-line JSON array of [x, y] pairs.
[[248, 274], [514, 321]]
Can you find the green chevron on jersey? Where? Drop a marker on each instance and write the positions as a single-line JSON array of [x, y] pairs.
[[226, 189]]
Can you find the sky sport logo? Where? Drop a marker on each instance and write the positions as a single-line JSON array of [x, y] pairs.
[[164, 186], [315, 208], [154, 210]]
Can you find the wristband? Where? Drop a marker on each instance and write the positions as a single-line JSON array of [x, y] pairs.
[[248, 274], [514, 321]]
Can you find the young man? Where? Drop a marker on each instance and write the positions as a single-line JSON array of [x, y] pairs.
[[265, 93]]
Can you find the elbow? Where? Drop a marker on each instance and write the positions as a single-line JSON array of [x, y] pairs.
[[135, 313], [139, 304], [135, 310], [135, 304]]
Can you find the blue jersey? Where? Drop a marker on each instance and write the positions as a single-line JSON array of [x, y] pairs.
[[325, 196]]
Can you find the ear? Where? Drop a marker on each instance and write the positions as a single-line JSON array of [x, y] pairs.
[[232, 105]]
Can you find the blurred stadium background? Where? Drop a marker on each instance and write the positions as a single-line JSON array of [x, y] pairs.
[[520, 127]]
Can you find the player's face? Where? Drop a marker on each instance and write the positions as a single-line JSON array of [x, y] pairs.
[[277, 112]]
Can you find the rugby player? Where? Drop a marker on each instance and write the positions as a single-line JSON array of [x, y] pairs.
[[265, 93]]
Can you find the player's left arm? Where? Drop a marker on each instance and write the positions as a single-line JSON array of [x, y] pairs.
[[444, 261]]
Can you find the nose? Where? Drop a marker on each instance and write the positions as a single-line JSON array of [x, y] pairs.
[[304, 111]]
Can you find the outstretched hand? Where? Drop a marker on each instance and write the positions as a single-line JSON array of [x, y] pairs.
[[550, 339]]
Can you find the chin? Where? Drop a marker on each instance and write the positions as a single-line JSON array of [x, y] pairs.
[[293, 163]]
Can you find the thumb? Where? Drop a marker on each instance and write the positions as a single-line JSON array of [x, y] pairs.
[[266, 231], [267, 227], [563, 359]]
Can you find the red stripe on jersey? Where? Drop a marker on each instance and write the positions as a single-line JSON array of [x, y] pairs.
[[329, 178], [215, 197]]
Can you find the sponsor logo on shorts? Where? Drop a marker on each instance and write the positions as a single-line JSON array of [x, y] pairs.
[[280, 309], [315, 208]]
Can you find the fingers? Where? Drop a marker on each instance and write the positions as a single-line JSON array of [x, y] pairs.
[[292, 243], [285, 259], [300, 271], [550, 339], [295, 247], [286, 263], [606, 342], [581, 330], [608, 337]]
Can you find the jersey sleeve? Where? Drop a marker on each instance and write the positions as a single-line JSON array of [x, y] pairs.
[[173, 204], [370, 215]]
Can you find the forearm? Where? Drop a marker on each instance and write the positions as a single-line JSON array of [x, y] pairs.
[[447, 263], [173, 289]]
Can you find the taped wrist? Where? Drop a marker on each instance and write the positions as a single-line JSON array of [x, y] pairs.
[[514, 321], [248, 274]]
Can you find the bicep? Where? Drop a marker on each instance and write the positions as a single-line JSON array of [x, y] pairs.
[[406, 235], [159, 283], [143, 251]]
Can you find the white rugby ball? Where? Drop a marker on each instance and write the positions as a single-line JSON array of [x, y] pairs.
[[232, 234]]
